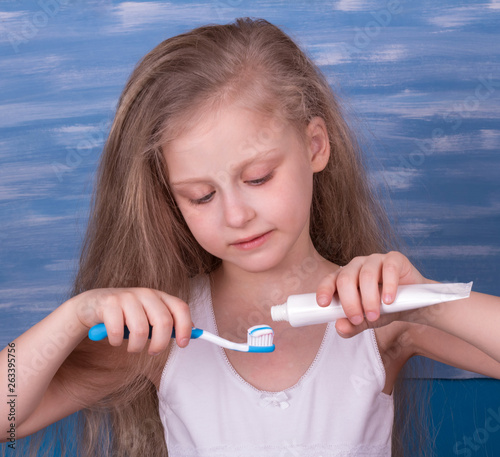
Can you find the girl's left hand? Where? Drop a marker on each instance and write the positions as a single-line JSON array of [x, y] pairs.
[[357, 285]]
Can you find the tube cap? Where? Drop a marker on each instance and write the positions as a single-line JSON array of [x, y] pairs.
[[279, 313]]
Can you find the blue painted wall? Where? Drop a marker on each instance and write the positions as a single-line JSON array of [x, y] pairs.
[[421, 79]]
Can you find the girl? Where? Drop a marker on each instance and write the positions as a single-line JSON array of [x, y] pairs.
[[228, 182]]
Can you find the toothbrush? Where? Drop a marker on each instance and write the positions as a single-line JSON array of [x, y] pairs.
[[259, 338]]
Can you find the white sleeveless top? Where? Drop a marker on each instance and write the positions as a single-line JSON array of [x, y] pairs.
[[335, 409]]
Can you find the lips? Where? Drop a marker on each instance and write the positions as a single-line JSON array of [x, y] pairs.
[[252, 242]]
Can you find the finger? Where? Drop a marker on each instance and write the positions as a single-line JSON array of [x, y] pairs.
[[136, 321], [347, 289], [347, 330], [181, 316], [326, 288], [369, 278], [160, 319], [392, 269], [112, 317]]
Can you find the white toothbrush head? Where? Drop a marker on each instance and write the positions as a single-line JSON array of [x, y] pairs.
[[260, 338]]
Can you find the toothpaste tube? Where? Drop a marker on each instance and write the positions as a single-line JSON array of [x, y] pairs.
[[303, 309]]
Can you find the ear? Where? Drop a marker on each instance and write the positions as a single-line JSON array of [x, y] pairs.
[[318, 144]]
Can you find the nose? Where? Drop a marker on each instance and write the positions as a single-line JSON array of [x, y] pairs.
[[237, 211]]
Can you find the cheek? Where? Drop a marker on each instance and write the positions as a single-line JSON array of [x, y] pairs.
[[291, 201], [202, 226], [297, 186]]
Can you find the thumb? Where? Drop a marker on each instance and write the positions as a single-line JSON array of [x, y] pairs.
[[346, 329]]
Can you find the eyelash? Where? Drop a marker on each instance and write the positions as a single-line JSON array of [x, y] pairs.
[[202, 200], [254, 182], [260, 181]]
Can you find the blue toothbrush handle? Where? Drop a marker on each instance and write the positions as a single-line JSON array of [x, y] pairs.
[[98, 332]]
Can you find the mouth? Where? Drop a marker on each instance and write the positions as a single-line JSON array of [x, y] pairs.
[[252, 242]]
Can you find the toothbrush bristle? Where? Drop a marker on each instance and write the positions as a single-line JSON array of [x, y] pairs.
[[260, 335]]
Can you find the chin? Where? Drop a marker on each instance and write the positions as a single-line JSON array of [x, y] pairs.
[[260, 263]]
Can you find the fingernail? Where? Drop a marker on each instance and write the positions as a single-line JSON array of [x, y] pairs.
[[356, 320], [371, 316], [184, 342], [387, 298], [153, 353], [323, 300]]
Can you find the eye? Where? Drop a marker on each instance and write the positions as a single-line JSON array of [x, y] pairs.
[[260, 181], [202, 200]]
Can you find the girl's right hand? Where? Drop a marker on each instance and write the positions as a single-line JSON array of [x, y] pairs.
[[136, 308]]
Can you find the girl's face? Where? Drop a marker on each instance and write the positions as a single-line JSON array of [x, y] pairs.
[[244, 186]]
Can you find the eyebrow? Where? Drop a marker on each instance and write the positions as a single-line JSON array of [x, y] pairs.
[[259, 156]]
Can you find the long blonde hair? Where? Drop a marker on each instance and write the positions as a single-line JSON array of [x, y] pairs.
[[136, 234]]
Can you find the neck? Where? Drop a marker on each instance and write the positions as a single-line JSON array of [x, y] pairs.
[[250, 291]]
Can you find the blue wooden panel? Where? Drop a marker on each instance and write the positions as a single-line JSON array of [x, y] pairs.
[[423, 77]]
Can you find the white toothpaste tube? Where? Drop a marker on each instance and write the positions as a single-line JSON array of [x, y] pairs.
[[303, 309]]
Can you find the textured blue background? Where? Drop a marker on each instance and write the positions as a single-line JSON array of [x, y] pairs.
[[421, 80]]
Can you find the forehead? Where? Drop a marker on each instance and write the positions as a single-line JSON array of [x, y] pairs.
[[234, 123], [231, 134]]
